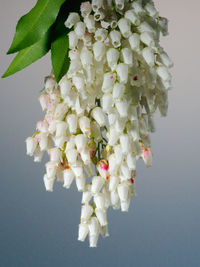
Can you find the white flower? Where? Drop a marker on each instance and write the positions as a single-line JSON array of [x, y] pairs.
[[132, 16], [72, 19], [84, 124], [119, 4], [83, 231], [86, 9], [125, 143], [86, 57], [48, 182], [98, 115], [127, 56], [147, 38], [80, 183], [149, 7], [97, 4], [115, 201], [72, 122], [31, 144], [163, 73], [99, 15], [99, 201], [107, 102], [51, 167], [166, 60], [68, 176], [134, 41], [80, 141], [122, 71], [79, 29], [115, 37], [71, 155], [60, 111], [96, 131], [73, 39], [86, 212], [112, 57], [148, 56], [99, 50], [97, 183], [137, 7], [113, 183], [55, 154], [65, 87], [101, 35], [122, 108], [122, 190], [131, 161], [101, 216], [125, 27], [61, 128], [90, 23]]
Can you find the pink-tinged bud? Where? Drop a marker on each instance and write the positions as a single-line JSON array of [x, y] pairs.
[[147, 157], [104, 165]]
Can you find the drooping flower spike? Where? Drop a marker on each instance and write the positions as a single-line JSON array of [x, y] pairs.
[[99, 117]]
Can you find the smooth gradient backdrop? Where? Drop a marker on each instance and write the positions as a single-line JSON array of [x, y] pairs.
[[162, 228]]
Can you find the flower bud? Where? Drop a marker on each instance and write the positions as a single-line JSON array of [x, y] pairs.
[[49, 83], [125, 27], [72, 19], [44, 100], [98, 115], [97, 183], [68, 176], [147, 157], [115, 37], [48, 183]]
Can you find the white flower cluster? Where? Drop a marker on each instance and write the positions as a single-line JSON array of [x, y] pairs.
[[98, 118]]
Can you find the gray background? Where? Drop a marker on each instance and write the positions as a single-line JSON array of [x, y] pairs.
[[162, 227]]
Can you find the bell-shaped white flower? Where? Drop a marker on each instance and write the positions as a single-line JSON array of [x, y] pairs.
[[90, 23], [85, 156], [149, 7], [84, 124], [43, 141], [97, 183], [132, 113], [73, 39], [118, 90], [122, 71], [86, 212], [112, 56], [97, 4], [145, 27], [101, 35], [86, 57], [48, 183], [86, 196], [72, 19], [113, 182], [44, 100], [163, 25], [61, 128], [131, 161], [132, 17], [99, 50], [55, 154], [123, 190], [31, 144], [127, 56], [148, 39], [137, 6], [93, 239], [122, 108], [42, 126], [60, 111], [80, 183], [101, 216], [115, 37], [115, 200], [51, 167], [147, 157], [125, 27], [72, 122], [166, 60], [125, 172], [107, 102], [125, 143], [108, 82], [113, 165], [77, 168], [98, 115], [80, 141], [68, 176], [96, 131], [38, 154], [99, 201], [83, 231], [65, 87], [112, 136], [119, 4], [86, 9], [99, 15], [163, 73], [125, 205], [79, 29], [134, 41], [148, 56], [71, 155], [49, 83]]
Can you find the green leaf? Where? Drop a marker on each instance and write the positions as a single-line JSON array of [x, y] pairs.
[[29, 55], [32, 26], [59, 56]]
